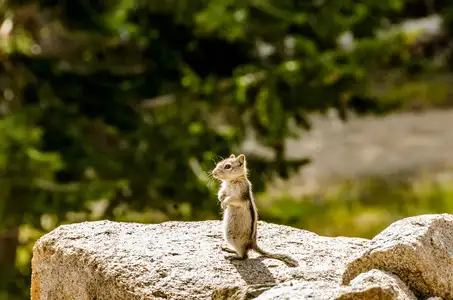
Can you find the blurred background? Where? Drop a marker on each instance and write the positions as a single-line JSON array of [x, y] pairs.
[[118, 109]]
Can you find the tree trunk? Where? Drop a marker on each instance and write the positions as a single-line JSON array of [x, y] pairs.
[[9, 240]]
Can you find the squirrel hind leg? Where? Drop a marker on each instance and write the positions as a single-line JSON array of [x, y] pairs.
[[229, 250], [241, 252]]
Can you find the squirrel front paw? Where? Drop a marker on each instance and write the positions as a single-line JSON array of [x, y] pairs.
[[222, 197], [225, 202], [223, 205]]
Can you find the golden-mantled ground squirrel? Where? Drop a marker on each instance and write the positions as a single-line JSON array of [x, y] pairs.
[[240, 216]]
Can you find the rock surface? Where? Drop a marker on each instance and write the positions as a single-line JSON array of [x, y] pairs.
[[182, 260], [175, 260], [418, 249]]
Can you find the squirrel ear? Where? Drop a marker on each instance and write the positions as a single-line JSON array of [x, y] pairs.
[[241, 158], [232, 156]]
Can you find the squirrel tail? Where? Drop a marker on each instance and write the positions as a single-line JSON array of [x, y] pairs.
[[284, 258]]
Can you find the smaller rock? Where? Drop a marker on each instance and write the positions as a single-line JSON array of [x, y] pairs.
[[370, 293], [375, 284], [419, 250], [384, 280], [322, 290]]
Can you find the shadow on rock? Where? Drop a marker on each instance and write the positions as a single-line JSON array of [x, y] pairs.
[[253, 271]]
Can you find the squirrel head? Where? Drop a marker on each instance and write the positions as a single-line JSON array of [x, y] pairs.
[[231, 168]]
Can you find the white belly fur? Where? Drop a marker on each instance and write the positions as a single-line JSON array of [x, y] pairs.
[[237, 222]]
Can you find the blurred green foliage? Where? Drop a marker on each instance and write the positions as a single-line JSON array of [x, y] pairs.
[[116, 109]]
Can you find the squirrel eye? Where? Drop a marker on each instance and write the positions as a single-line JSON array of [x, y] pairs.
[[227, 166]]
